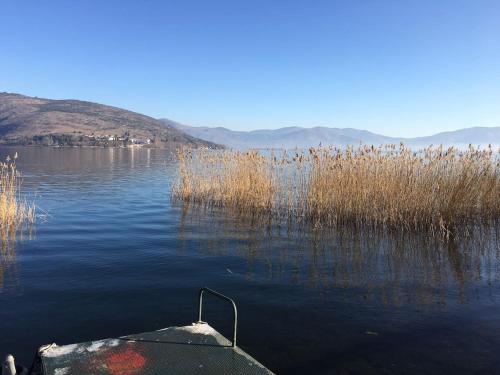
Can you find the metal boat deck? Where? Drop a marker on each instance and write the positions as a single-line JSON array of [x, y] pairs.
[[194, 349]]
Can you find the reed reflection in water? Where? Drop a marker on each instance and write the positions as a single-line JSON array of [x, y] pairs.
[[16, 215], [8, 265], [390, 267], [114, 255], [8, 255]]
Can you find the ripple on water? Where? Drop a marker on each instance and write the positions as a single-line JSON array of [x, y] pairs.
[[114, 256]]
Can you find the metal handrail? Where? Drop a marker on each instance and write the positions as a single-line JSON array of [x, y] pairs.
[[221, 296]]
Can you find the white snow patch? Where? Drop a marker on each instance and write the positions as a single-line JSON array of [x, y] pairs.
[[61, 371], [199, 328], [95, 346], [56, 351], [113, 342]]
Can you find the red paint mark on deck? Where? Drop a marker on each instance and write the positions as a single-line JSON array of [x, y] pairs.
[[126, 362]]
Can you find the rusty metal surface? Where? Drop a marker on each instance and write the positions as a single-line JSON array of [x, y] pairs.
[[195, 349]]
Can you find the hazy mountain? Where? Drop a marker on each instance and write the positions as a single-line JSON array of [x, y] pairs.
[[462, 137], [28, 120], [291, 137]]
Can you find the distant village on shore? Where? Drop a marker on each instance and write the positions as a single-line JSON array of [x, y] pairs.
[[107, 140]]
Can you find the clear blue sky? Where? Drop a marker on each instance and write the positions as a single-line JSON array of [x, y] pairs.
[[399, 67]]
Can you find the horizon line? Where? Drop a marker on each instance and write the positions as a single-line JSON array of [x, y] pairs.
[[162, 118]]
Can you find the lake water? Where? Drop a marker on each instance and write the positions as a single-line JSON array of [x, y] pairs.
[[112, 255]]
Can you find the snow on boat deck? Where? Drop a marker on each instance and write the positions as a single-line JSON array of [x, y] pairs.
[[195, 349]]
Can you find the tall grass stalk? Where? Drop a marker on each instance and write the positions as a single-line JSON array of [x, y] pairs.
[[435, 189], [14, 211]]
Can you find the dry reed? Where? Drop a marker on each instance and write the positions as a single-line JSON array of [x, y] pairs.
[[435, 189], [14, 211]]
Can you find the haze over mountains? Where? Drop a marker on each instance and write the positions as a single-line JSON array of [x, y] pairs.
[[31, 120], [291, 137]]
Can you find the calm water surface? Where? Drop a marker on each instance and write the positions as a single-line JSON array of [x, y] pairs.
[[113, 255]]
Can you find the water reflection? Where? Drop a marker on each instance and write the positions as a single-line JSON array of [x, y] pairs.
[[115, 256], [71, 186], [8, 269], [392, 268], [8, 256]]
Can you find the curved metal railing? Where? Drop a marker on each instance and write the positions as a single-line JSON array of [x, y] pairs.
[[223, 297]]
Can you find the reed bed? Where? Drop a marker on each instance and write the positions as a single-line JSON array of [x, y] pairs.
[[436, 189], [14, 211]]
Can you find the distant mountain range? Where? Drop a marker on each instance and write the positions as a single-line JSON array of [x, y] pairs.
[[291, 137], [29, 120]]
